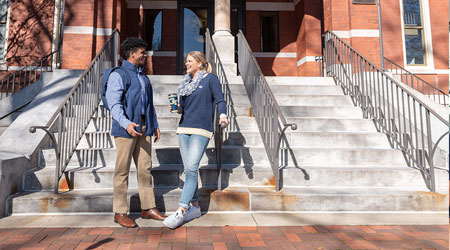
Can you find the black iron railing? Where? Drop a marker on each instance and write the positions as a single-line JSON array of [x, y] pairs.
[[407, 121], [416, 82], [271, 122], [217, 68], [19, 79], [74, 114]]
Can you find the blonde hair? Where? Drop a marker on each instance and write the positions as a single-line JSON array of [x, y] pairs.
[[201, 58]]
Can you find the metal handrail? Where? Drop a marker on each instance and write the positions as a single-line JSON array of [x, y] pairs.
[[74, 114], [217, 68], [271, 122], [416, 82], [26, 75], [394, 109]]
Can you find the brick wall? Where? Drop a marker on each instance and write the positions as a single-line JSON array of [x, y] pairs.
[[80, 49], [439, 32], [392, 31], [30, 31], [309, 35]]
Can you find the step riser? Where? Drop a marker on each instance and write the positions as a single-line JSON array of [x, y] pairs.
[[332, 125], [105, 140], [307, 140], [171, 123], [257, 199], [286, 80], [248, 156], [307, 90], [338, 140], [164, 89], [322, 112], [237, 99], [320, 101], [316, 177], [249, 123], [163, 111]]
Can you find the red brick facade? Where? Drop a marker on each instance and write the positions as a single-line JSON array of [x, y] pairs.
[[88, 24], [30, 31]]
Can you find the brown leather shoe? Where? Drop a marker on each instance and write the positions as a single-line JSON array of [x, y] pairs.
[[124, 220], [152, 213]]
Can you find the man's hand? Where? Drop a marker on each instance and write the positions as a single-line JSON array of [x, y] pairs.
[[157, 135], [132, 131]]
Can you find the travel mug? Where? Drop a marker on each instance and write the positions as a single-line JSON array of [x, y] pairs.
[[173, 101]]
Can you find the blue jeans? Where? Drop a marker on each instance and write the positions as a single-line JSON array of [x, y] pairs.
[[192, 148]]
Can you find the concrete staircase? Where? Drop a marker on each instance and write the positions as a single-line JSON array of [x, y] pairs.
[[334, 162]]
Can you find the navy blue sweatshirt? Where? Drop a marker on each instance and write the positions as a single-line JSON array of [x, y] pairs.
[[198, 107]]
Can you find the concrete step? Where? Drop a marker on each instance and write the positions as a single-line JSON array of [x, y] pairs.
[[242, 199], [307, 90], [337, 140], [104, 139], [296, 138], [163, 111], [246, 123], [292, 80], [332, 124], [232, 176], [238, 155], [157, 80], [314, 100], [240, 123], [322, 112], [160, 96], [169, 88]]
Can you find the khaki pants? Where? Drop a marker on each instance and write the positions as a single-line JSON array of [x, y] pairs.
[[139, 148]]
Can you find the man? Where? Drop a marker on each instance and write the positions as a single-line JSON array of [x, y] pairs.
[[130, 98]]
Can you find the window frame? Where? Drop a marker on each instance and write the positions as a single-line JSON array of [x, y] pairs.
[[427, 39], [5, 51]]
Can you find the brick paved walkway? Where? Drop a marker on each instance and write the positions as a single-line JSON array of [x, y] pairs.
[[296, 237]]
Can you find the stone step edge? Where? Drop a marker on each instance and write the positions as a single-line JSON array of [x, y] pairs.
[[171, 167], [240, 189]]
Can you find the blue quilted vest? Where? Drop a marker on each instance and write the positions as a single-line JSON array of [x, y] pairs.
[[132, 105]]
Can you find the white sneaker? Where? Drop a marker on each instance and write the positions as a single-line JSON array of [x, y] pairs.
[[192, 213], [174, 220]]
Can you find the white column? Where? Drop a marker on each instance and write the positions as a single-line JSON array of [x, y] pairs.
[[222, 36]]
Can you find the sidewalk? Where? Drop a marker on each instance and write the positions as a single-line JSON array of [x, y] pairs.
[[152, 235]]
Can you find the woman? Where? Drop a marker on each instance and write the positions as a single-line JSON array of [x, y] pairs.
[[199, 93]]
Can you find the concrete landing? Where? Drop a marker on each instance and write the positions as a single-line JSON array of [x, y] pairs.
[[90, 220]]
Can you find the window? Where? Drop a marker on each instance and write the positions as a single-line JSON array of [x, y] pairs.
[[4, 6], [414, 32], [269, 31], [152, 29]]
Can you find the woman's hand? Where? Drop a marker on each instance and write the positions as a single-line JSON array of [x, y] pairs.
[[179, 108], [223, 119]]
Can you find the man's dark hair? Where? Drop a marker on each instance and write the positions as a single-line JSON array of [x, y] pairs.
[[132, 44]]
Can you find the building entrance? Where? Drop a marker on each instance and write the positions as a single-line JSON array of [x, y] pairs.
[[194, 17]]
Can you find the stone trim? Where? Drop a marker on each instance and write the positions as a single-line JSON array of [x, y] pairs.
[[276, 54], [87, 30], [161, 53], [357, 33], [270, 6], [306, 59]]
